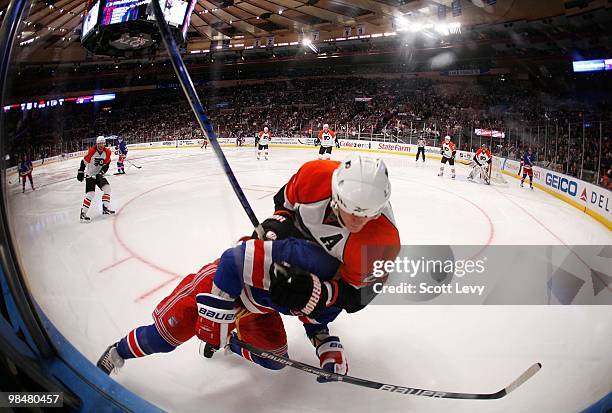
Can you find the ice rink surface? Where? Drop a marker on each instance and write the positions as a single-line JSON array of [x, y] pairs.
[[97, 281]]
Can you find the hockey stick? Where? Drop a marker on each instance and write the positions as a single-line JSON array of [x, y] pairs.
[[194, 101], [133, 164], [413, 391]]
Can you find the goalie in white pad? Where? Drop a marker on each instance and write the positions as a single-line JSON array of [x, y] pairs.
[[481, 165]]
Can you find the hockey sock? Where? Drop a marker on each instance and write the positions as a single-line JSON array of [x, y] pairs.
[[265, 363], [87, 202], [106, 197], [266, 154], [143, 341], [258, 154], [453, 171]]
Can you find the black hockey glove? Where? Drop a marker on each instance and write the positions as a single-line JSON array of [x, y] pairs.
[[278, 226], [81, 172], [103, 170], [296, 289]]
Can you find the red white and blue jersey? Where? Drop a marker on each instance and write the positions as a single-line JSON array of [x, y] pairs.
[[244, 272], [526, 161]]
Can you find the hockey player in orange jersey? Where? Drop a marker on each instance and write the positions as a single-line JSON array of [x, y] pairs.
[[93, 167], [481, 164], [344, 207], [327, 140], [448, 152]]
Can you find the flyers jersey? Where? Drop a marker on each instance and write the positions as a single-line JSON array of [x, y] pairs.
[[483, 156], [308, 194], [327, 138], [96, 160], [264, 138], [448, 149]]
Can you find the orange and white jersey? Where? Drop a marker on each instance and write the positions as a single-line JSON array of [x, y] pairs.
[[327, 139], [483, 156], [308, 193], [95, 160], [448, 149], [264, 137]]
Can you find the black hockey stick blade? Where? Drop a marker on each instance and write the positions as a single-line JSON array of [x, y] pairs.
[[413, 391]]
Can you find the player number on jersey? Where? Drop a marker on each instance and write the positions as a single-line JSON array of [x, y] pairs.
[[331, 241]]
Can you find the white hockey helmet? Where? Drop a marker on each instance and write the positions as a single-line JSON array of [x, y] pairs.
[[325, 126], [100, 139], [447, 138], [360, 186]]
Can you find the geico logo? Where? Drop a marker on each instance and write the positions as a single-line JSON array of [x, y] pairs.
[[214, 315], [562, 184]]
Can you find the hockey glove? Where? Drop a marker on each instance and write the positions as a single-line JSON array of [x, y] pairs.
[[81, 172], [278, 226], [216, 320], [331, 357]]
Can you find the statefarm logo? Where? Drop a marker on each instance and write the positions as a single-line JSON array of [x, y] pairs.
[[393, 147]]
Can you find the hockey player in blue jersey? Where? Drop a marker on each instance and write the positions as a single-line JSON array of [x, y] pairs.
[[230, 299], [527, 168], [122, 151]]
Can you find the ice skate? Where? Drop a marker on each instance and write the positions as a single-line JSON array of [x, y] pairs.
[[110, 361]]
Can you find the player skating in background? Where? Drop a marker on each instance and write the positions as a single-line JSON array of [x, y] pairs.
[[121, 150], [448, 152], [232, 293], [344, 207], [481, 164], [527, 168], [25, 171], [327, 139], [93, 167], [262, 140], [421, 148], [204, 144]]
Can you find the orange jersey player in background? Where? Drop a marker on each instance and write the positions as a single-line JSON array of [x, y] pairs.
[[343, 207], [482, 164], [262, 141], [93, 167], [448, 152], [327, 139]]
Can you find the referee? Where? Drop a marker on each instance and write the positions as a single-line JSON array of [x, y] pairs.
[[421, 149]]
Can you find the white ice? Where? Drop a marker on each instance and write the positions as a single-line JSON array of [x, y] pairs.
[[97, 281]]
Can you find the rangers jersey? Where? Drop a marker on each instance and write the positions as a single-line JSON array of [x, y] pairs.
[[264, 138], [244, 272], [327, 139], [448, 149], [308, 194], [96, 160], [526, 162]]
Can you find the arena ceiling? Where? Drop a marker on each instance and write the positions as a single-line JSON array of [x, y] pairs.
[[52, 28]]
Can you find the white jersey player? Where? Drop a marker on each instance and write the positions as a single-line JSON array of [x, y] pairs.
[[328, 139], [262, 141], [481, 164], [93, 167], [448, 152]]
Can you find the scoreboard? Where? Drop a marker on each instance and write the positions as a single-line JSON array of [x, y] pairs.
[[128, 27]]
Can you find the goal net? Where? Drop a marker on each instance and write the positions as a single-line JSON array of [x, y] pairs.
[[496, 175]]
